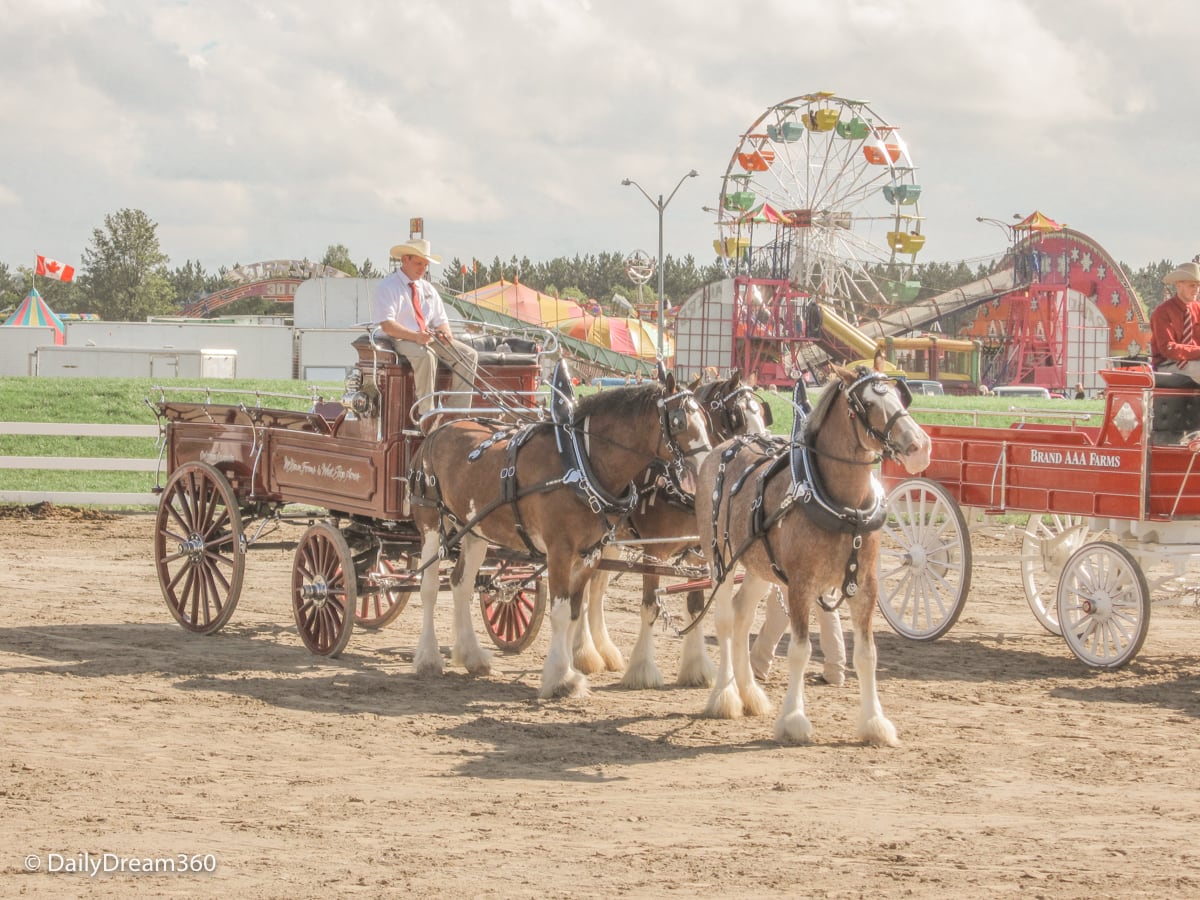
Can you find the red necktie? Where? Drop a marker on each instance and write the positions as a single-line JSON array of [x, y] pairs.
[[1189, 325], [416, 301]]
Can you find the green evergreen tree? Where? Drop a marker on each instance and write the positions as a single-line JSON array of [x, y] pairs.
[[338, 257], [125, 272]]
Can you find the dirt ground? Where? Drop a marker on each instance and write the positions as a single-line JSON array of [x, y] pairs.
[[1020, 771]]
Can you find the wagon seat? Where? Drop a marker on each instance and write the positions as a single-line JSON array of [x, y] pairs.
[[495, 353], [492, 350], [1176, 405]]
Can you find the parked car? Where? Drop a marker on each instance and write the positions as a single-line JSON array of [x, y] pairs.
[[1021, 390], [930, 388]]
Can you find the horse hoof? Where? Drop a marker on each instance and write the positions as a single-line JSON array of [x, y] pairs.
[[697, 674], [879, 732], [589, 661], [643, 678], [428, 669], [793, 728], [574, 685], [724, 704], [696, 671], [755, 702], [476, 661], [613, 660]]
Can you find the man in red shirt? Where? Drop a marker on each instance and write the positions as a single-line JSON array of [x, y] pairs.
[[1175, 325]]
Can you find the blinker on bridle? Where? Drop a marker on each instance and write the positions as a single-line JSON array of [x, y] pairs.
[[880, 384]]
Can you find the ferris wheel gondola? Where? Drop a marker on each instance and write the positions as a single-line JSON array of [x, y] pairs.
[[821, 190]]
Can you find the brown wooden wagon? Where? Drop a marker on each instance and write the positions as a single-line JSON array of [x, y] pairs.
[[238, 472]]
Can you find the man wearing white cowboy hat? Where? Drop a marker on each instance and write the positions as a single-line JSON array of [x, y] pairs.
[[410, 311], [1175, 325]]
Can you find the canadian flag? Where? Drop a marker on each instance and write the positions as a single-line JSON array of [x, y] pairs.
[[52, 268]]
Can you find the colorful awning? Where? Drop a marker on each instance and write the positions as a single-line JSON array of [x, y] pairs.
[[34, 312], [1037, 222]]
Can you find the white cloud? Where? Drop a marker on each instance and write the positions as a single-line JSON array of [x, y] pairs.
[[509, 125]]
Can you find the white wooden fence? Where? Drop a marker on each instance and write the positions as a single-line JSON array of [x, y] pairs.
[[79, 464]]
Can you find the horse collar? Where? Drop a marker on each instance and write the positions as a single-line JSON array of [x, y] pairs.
[[579, 476], [809, 489]]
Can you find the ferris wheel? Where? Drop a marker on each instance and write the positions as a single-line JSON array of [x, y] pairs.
[[820, 191]]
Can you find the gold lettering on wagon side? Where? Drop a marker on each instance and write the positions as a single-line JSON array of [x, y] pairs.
[[1089, 458], [335, 472]]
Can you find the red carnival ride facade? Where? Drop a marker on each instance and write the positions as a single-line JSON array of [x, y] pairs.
[[1073, 307]]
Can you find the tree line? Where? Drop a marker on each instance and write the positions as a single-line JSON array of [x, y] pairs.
[[125, 276]]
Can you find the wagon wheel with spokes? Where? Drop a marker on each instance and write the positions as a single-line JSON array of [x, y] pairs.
[[513, 605], [199, 547], [1103, 605], [1048, 543], [324, 589], [378, 607], [924, 560]]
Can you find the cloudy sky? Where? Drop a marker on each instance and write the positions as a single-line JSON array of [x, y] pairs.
[[269, 130]]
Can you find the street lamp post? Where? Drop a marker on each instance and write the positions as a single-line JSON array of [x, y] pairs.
[[1008, 229], [1011, 233], [661, 206]]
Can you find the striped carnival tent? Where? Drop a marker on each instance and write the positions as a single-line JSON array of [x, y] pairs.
[[515, 299], [633, 337], [34, 312]]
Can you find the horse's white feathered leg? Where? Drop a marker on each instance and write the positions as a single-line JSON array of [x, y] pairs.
[[873, 725], [583, 649], [745, 603], [614, 659], [466, 650], [793, 726], [559, 677], [643, 672], [724, 702], [695, 668], [594, 649], [428, 658]]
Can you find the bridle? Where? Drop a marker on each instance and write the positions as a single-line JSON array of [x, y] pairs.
[[879, 384], [673, 420], [729, 408]]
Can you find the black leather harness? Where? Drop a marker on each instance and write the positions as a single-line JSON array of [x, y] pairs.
[[807, 492]]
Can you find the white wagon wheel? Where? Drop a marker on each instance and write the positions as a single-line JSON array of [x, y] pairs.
[[1103, 605], [324, 590], [1048, 543], [924, 560]]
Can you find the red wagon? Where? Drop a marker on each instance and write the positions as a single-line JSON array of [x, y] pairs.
[[1105, 499], [238, 472]]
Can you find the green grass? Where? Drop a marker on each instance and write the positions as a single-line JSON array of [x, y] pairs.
[[119, 401], [961, 410], [123, 401]]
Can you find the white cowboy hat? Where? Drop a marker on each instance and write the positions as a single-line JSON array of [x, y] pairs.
[[1189, 271], [419, 247]]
